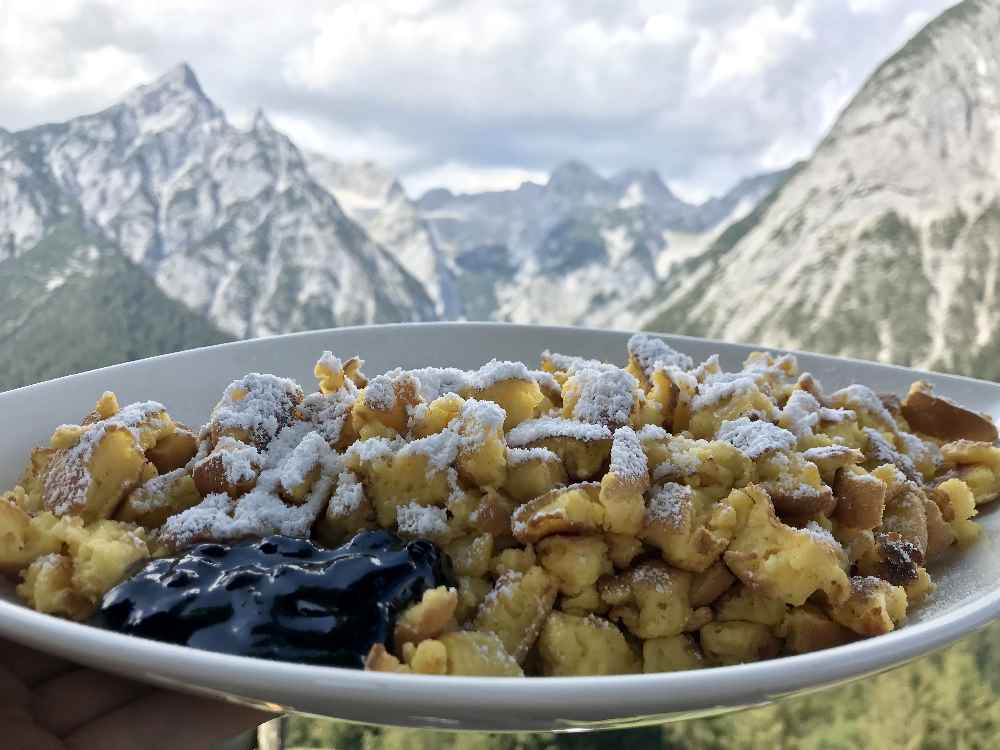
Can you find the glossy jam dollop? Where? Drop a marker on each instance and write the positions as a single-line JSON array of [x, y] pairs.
[[278, 597]]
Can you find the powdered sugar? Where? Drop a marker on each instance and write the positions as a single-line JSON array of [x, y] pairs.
[[628, 460], [533, 430], [678, 465], [374, 449], [651, 353], [311, 453], [153, 493], [670, 505], [441, 449], [921, 451], [485, 415], [330, 363], [802, 413], [240, 462], [348, 496], [755, 438], [421, 520], [328, 413], [881, 451], [546, 382], [517, 456], [570, 363], [829, 452], [434, 382], [380, 394], [258, 513], [68, 479], [651, 432], [259, 404], [715, 391], [604, 395], [496, 371], [861, 397], [819, 534]]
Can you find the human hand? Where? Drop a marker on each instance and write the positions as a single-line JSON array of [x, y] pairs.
[[51, 704]]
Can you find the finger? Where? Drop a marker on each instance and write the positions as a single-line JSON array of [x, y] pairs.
[[71, 700], [30, 666], [164, 721]]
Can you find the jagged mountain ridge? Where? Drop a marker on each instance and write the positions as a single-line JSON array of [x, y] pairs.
[[73, 303], [229, 222], [580, 249], [255, 237], [886, 243]]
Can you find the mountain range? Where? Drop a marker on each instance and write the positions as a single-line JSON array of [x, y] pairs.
[[232, 232], [156, 224]]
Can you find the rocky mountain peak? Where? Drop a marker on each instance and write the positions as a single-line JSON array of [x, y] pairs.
[[575, 177], [177, 90]]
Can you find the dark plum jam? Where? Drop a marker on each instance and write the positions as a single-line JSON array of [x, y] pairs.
[[278, 597]]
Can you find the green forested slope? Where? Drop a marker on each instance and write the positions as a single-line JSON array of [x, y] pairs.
[[71, 304]]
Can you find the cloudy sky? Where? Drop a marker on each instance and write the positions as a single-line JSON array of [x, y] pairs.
[[484, 93]]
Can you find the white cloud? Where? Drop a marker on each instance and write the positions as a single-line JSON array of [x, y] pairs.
[[469, 178]]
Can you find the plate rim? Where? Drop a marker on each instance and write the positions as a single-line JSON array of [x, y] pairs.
[[487, 324]]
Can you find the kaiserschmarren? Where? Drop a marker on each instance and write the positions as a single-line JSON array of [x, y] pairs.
[[577, 519]]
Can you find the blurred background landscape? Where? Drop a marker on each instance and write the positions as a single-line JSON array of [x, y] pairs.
[[812, 175]]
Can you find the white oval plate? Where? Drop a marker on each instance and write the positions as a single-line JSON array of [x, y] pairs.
[[968, 596]]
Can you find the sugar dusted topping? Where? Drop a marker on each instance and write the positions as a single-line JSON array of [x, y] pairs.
[[628, 460], [380, 394], [881, 451], [240, 462], [68, 479], [570, 363], [421, 520], [545, 381], [152, 493], [606, 395], [140, 413], [652, 575], [783, 364], [755, 438], [258, 513], [866, 584], [435, 382], [374, 448], [533, 430], [820, 534], [330, 362], [668, 505], [348, 496], [486, 415], [651, 353], [329, 413], [827, 452], [441, 449], [651, 432], [266, 404], [717, 390], [861, 397], [311, 453], [802, 413], [496, 371], [921, 451], [517, 456], [680, 464]]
